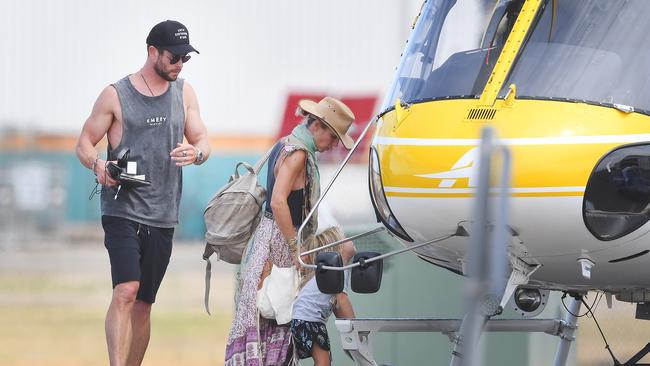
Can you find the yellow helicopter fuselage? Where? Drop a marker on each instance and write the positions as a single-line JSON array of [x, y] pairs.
[[565, 86], [555, 147]]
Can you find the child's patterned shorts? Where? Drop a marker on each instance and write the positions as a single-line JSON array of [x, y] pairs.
[[306, 333]]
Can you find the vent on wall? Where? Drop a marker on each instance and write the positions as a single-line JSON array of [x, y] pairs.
[[481, 114]]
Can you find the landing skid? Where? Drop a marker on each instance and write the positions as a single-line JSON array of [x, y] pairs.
[[637, 357], [357, 334]]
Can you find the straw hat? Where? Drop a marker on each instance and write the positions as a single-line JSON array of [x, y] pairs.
[[333, 113]]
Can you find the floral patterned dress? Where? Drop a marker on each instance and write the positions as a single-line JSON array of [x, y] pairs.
[[272, 347]]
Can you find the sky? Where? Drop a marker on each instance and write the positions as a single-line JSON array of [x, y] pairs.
[[63, 53]]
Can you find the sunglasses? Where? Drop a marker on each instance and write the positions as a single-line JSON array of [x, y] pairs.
[[175, 58], [184, 58]]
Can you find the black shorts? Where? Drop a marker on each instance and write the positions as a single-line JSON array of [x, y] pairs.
[[137, 252]]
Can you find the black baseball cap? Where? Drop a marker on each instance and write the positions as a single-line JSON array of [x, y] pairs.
[[172, 36]]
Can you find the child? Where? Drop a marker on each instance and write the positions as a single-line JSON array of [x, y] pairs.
[[312, 308]]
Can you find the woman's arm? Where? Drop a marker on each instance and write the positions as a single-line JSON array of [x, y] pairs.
[[290, 170]]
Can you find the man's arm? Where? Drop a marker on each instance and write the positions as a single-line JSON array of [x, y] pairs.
[[195, 132], [94, 129], [343, 307]]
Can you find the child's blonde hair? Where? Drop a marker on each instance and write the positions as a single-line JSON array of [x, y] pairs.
[[328, 236]]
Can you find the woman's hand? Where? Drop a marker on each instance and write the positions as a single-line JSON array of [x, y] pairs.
[[266, 271], [295, 261], [293, 251]]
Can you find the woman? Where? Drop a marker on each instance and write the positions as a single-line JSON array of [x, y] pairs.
[[293, 187]]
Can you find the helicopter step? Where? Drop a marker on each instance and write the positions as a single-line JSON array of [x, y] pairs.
[[357, 334]]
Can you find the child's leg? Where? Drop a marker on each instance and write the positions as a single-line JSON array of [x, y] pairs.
[[321, 357]]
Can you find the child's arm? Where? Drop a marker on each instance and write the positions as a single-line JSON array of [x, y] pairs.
[[343, 306]]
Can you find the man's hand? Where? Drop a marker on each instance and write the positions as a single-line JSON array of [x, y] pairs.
[[183, 154], [102, 175]]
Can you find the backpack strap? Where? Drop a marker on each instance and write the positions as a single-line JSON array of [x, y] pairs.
[[208, 273], [262, 161]]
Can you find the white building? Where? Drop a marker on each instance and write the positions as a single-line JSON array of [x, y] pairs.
[[60, 54]]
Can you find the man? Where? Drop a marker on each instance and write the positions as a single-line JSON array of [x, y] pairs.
[[147, 112]]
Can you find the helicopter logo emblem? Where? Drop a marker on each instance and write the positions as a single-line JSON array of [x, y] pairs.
[[465, 168]]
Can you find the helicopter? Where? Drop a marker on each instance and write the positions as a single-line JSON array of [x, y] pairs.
[[566, 87]]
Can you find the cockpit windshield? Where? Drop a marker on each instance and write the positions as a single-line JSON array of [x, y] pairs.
[[452, 50], [594, 51], [597, 51]]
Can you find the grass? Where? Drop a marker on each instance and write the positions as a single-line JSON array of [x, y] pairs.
[[53, 303], [70, 335], [625, 335], [55, 316]]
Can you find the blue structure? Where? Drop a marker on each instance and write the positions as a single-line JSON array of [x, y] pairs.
[[60, 175]]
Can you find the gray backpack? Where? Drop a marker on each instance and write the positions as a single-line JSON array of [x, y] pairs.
[[231, 217]]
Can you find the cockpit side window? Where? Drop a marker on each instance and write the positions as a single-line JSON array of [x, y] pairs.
[[444, 54]]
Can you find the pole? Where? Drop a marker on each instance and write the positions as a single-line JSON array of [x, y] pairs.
[[567, 336], [477, 269]]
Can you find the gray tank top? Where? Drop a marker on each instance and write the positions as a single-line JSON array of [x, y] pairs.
[[151, 128]]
